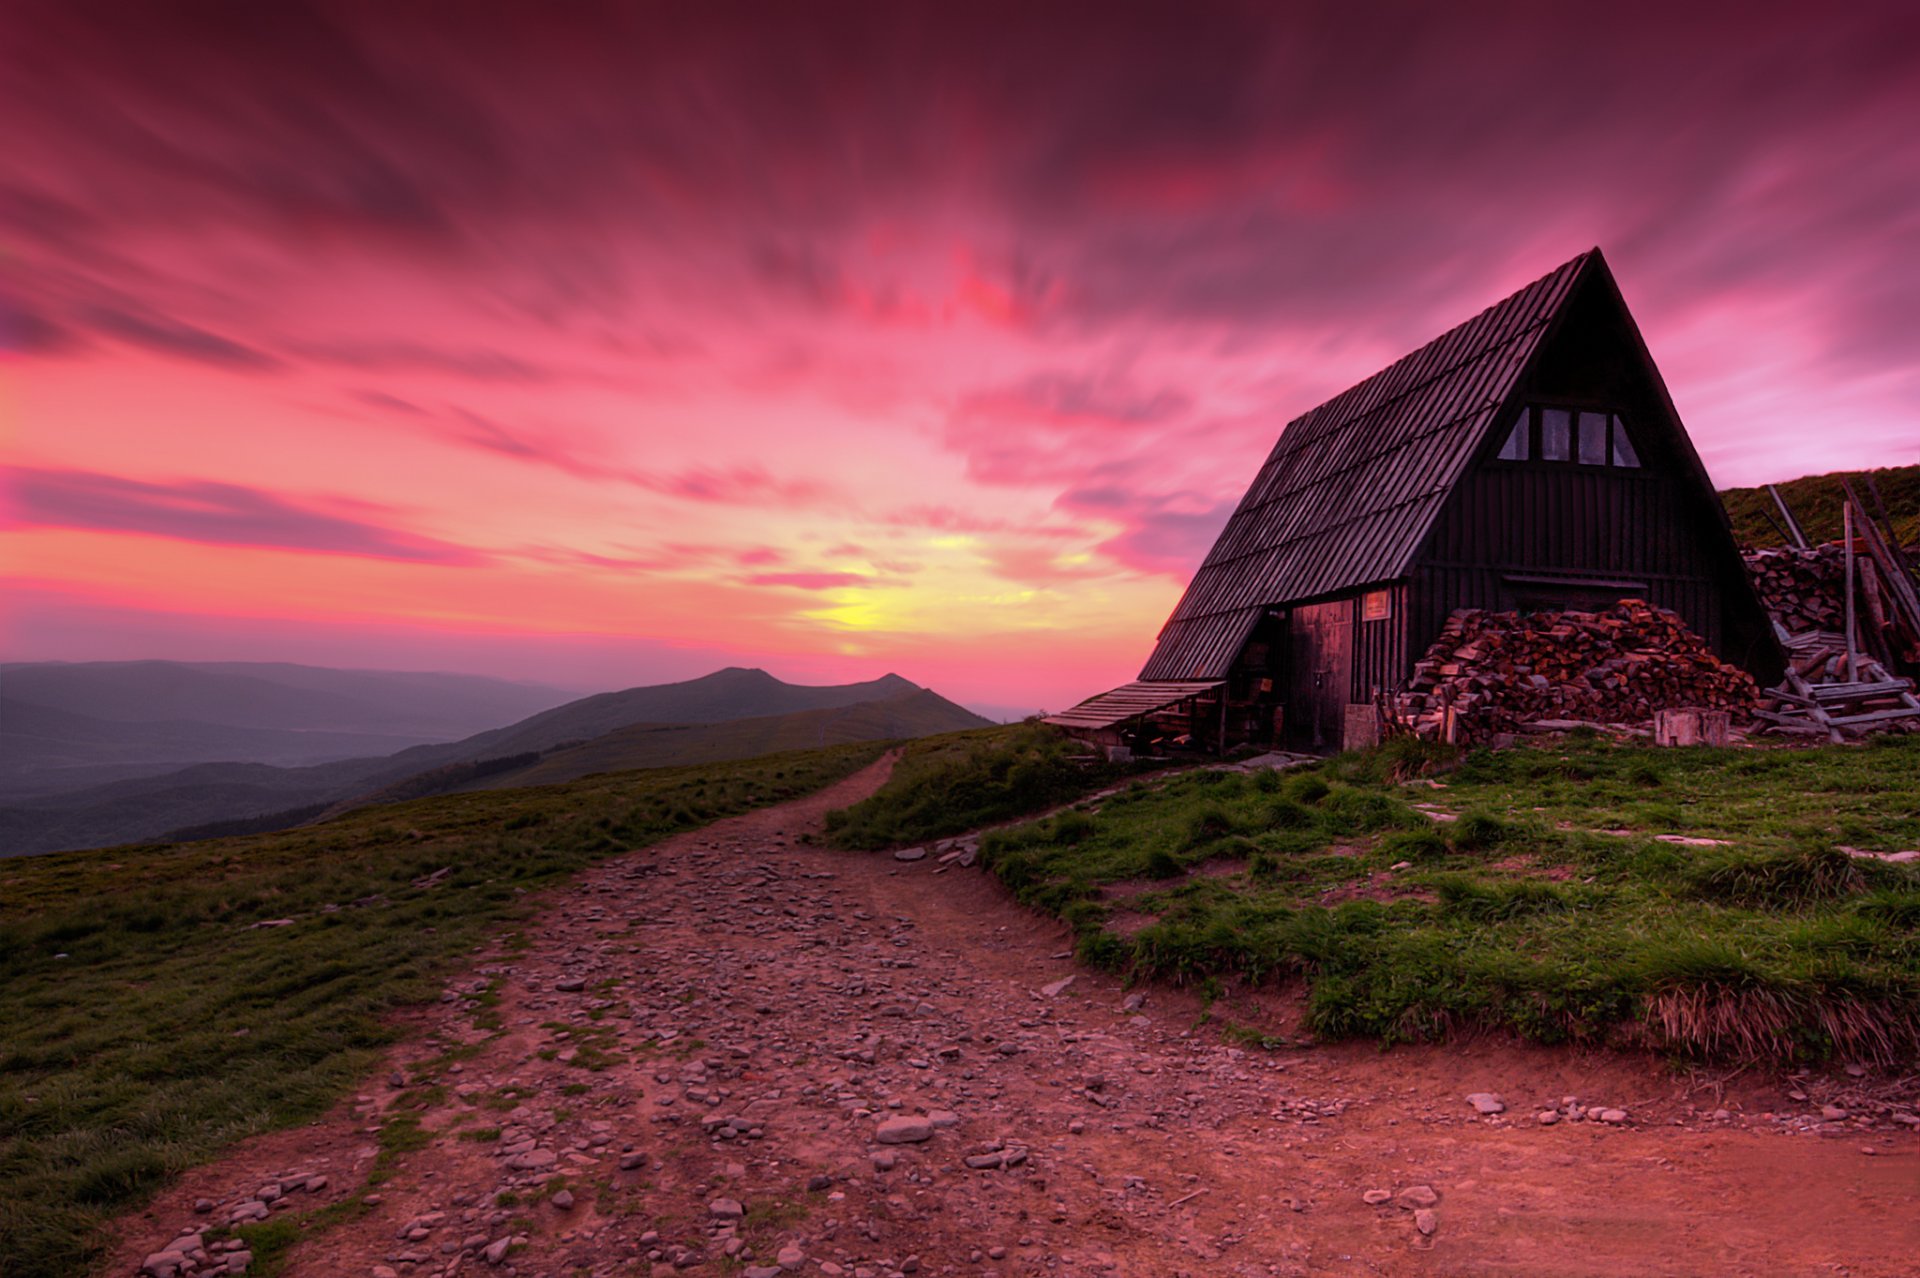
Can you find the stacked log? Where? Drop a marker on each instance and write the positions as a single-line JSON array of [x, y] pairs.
[[1493, 672], [1803, 589], [1806, 591]]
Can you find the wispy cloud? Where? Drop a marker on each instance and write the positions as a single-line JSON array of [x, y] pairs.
[[396, 355], [1054, 425], [214, 513], [167, 336], [817, 580]]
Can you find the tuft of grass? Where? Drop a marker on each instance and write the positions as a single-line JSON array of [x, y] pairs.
[[1287, 814], [1415, 846], [1210, 823], [1073, 827], [1788, 879], [1467, 896], [1306, 788], [1351, 810], [1162, 864], [1478, 832]]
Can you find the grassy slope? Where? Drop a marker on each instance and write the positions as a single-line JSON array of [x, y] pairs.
[[144, 1024], [1777, 946], [652, 745], [964, 780], [1815, 501]]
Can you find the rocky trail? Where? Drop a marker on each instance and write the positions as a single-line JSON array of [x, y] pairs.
[[736, 1053]]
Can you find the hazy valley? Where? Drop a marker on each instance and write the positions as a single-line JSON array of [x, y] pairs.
[[108, 753]]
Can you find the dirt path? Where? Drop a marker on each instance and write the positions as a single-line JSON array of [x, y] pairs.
[[700, 1047]]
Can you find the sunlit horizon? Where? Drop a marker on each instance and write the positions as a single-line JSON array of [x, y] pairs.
[[602, 347]]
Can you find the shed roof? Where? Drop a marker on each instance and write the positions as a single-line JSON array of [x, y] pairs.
[[1352, 487], [1129, 701]]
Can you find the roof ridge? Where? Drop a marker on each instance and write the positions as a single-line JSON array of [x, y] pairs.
[[1572, 265]]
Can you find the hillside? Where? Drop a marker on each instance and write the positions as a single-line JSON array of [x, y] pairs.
[[723, 696], [46, 751], [160, 1003], [278, 695], [69, 727], [1816, 500], [214, 794], [920, 713]]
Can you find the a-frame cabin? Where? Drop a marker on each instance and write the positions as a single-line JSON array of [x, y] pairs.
[[1529, 459]]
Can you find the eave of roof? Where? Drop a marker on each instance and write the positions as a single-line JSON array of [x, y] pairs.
[[1130, 701]]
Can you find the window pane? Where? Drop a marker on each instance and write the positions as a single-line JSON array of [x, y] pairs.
[[1515, 449], [1556, 434], [1623, 454], [1593, 439]]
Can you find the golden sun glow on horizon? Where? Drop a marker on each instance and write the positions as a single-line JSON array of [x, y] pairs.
[[539, 348]]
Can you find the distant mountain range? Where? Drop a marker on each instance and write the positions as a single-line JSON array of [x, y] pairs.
[[732, 713], [66, 727]]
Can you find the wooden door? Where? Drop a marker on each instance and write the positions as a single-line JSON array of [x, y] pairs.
[[1322, 674]]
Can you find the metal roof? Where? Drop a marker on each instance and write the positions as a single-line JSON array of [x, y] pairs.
[[1352, 487], [1129, 701]]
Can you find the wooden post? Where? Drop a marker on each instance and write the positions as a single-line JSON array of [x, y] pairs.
[[1786, 513], [1846, 531]]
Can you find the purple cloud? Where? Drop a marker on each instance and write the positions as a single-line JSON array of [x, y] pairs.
[[166, 336], [215, 514]]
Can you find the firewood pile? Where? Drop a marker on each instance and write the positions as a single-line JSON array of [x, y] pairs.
[[1803, 589], [1845, 612], [1494, 672]]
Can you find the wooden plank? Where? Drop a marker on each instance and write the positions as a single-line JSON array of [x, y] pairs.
[[1876, 716], [1892, 533], [1859, 691], [1906, 600], [1793, 525]]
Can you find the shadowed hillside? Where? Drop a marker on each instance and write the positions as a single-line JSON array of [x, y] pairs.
[[920, 713], [731, 714], [723, 696], [72, 726]]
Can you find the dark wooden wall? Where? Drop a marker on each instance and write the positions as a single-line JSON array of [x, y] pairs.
[[1380, 658], [1660, 525], [1605, 525]]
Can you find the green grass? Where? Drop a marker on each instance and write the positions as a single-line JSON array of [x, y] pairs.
[[1816, 500], [964, 780], [145, 1023], [652, 745], [1548, 907]]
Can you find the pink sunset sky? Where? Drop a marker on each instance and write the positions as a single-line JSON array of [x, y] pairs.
[[602, 345]]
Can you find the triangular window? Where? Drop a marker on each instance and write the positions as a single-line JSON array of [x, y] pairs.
[[1623, 454], [1515, 449]]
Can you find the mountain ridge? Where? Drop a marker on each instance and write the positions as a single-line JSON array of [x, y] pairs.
[[215, 793]]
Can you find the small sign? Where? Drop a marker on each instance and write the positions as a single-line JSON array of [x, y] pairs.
[[1376, 605]]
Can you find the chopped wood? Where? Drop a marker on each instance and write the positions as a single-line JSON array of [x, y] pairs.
[[1498, 672], [1806, 591]]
